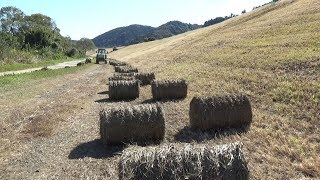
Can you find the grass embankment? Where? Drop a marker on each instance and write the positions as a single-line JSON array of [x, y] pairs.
[[11, 81], [271, 54], [43, 63]]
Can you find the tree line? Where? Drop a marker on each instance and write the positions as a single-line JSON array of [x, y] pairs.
[[26, 38]]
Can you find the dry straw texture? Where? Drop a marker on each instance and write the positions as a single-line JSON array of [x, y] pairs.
[[125, 74], [115, 62], [123, 90], [220, 112], [169, 89], [125, 69], [145, 78], [184, 161], [121, 78], [133, 123]]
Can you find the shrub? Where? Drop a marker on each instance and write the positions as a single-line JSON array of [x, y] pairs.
[[137, 123], [220, 112]]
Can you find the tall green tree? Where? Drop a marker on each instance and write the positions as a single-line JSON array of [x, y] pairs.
[[85, 44], [11, 19]]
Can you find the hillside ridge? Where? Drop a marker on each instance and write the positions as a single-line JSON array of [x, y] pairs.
[[136, 33]]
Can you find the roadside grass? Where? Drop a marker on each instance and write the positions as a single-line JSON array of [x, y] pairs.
[[269, 54], [43, 63], [9, 82]]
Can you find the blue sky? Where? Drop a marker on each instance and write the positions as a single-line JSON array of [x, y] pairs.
[[89, 18]]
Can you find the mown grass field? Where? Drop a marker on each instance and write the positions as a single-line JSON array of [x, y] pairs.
[[271, 54]]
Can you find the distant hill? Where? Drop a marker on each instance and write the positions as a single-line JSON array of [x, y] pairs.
[[132, 34]]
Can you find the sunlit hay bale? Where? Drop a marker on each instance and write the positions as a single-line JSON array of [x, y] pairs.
[[115, 62], [169, 89], [145, 78], [122, 78], [184, 161], [123, 90], [125, 74], [125, 69], [132, 123], [219, 112]]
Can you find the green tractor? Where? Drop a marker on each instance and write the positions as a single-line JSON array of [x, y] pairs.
[[101, 56]]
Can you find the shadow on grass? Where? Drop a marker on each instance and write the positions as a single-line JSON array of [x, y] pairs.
[[95, 149], [104, 92], [188, 134], [108, 100]]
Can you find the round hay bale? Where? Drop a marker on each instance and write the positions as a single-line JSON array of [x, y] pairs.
[[184, 161], [122, 78], [88, 60], [125, 69], [132, 123], [219, 112], [125, 74], [169, 89], [123, 90], [145, 78], [115, 62]]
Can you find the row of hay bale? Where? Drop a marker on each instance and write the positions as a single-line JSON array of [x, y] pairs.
[[146, 122], [143, 123], [217, 112]]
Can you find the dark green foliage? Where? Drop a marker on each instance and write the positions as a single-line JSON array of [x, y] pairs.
[[134, 34], [23, 38], [122, 36], [216, 20], [38, 38], [172, 28], [85, 44]]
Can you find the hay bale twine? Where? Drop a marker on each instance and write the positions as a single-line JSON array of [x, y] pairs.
[[123, 90], [169, 89], [145, 78], [132, 123], [184, 161], [220, 112]]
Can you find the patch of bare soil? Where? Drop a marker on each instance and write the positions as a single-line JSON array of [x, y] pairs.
[[49, 130]]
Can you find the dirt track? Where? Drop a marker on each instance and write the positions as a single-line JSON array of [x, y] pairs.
[[57, 66], [49, 129]]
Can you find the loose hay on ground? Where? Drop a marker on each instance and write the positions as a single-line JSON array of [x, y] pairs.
[[132, 123], [169, 89], [123, 90], [184, 161], [145, 78], [218, 112]]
